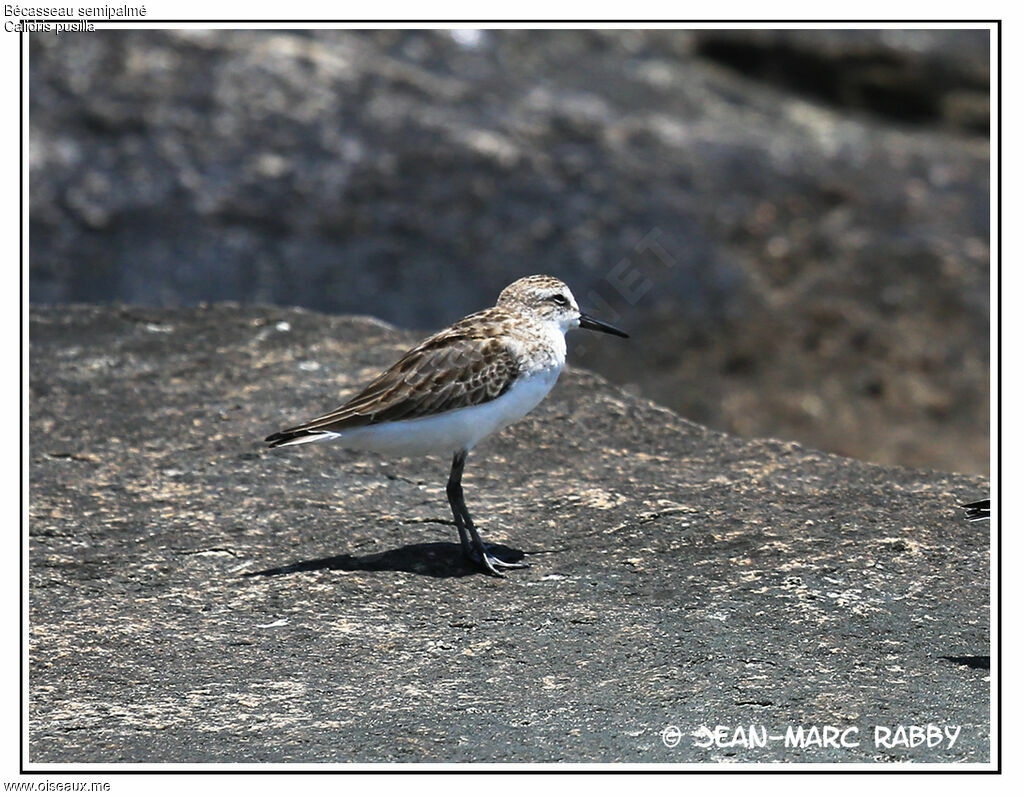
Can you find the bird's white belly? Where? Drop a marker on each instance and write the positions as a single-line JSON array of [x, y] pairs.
[[454, 430]]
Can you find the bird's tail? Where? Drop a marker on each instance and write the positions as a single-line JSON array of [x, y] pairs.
[[296, 437], [977, 510]]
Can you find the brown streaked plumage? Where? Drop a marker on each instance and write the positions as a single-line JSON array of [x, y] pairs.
[[460, 385], [461, 366]]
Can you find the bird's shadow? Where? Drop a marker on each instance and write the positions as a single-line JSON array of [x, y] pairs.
[[435, 559]]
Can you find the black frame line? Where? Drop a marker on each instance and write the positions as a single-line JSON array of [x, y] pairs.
[[624, 769]]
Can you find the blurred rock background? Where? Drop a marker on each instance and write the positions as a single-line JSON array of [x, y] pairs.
[[794, 225]]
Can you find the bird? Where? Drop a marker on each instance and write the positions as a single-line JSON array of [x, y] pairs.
[[459, 386], [977, 510]]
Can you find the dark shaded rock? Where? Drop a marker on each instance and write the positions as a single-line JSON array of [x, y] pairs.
[[811, 269], [926, 77], [195, 597]]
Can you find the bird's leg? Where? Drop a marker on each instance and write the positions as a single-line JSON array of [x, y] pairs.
[[475, 550], [455, 500]]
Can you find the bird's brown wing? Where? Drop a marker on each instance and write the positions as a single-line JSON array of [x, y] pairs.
[[451, 370]]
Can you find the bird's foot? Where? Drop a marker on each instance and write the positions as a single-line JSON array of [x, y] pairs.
[[492, 564]]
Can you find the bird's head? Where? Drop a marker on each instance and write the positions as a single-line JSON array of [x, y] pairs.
[[550, 299]]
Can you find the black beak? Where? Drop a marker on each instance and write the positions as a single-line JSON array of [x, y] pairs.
[[586, 322]]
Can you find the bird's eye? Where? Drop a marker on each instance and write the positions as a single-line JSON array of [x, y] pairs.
[[560, 300]]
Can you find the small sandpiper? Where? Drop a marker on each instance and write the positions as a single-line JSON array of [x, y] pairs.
[[455, 388]]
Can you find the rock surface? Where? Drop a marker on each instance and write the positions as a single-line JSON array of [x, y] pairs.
[[797, 221], [197, 598]]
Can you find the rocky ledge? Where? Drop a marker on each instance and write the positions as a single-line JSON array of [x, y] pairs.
[[197, 598]]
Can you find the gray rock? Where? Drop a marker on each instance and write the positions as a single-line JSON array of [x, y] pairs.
[[795, 222], [195, 597]]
